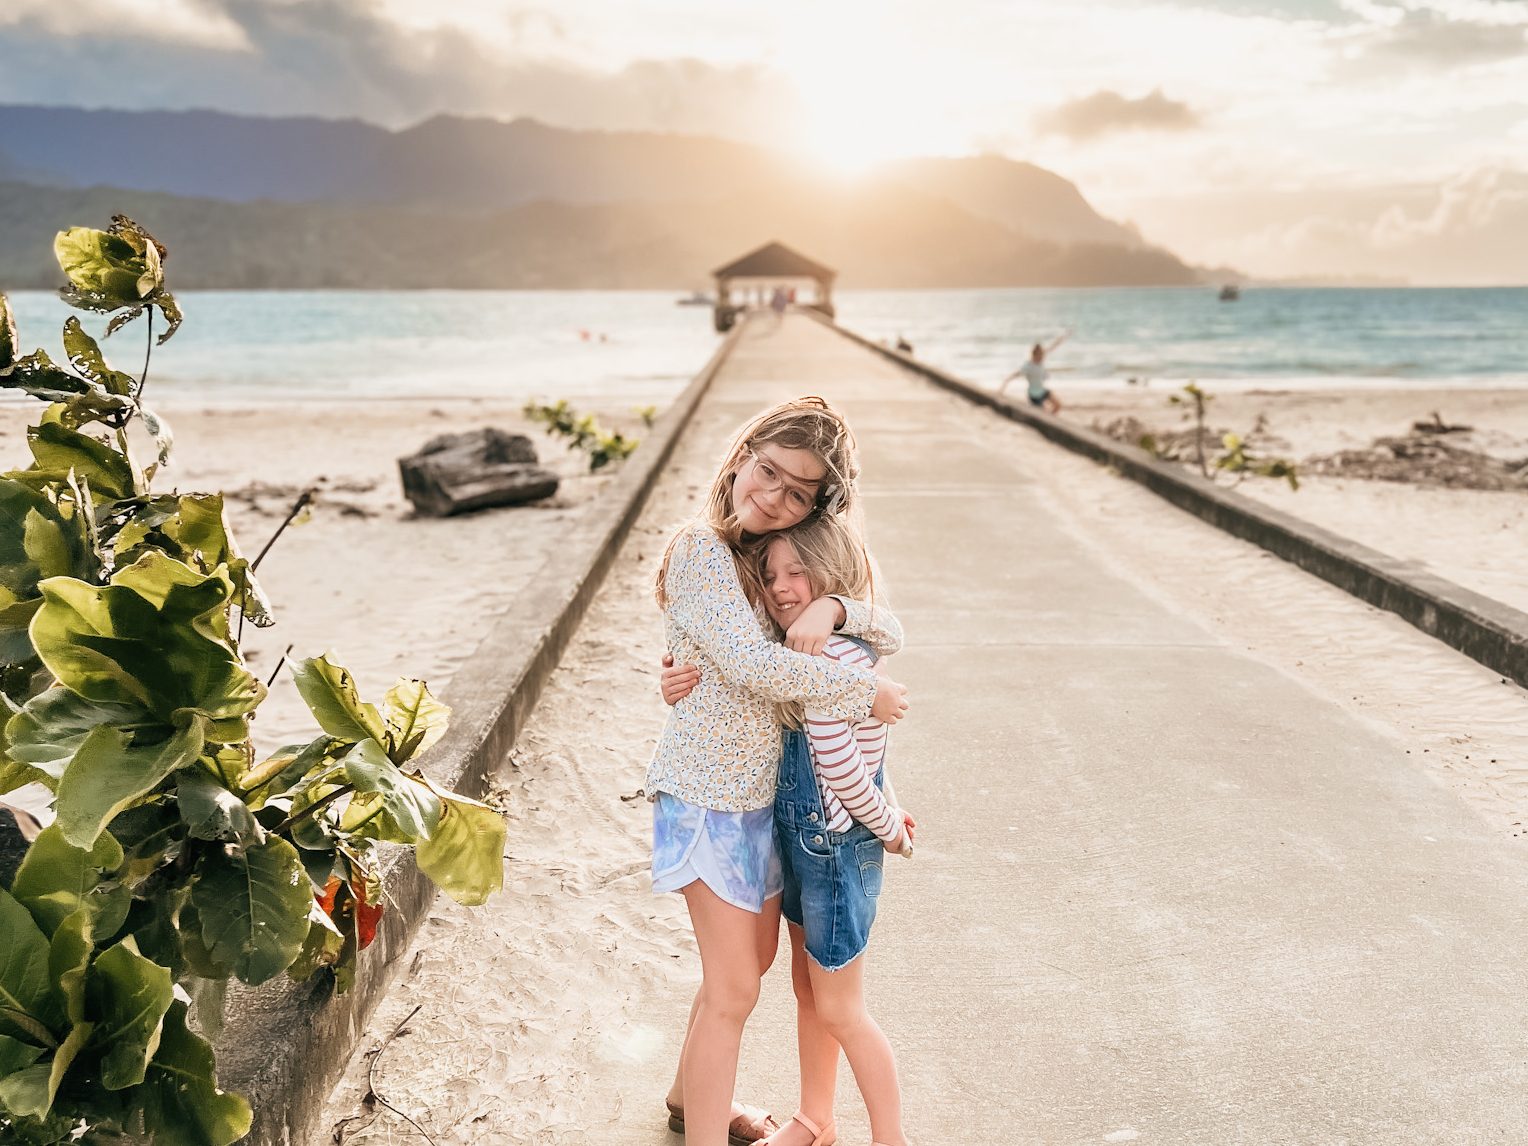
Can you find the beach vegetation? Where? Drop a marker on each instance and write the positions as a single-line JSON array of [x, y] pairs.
[[583, 433], [1235, 455], [176, 861]]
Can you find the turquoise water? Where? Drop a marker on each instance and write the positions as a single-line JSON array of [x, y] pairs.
[[238, 345], [1328, 337], [518, 344]]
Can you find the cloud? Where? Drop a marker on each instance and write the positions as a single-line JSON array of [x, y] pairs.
[[343, 58], [1436, 33], [1106, 113]]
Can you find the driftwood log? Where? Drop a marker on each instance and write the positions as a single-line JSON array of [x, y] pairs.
[[459, 473]]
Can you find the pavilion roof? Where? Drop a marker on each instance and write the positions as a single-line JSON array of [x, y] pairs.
[[775, 261]]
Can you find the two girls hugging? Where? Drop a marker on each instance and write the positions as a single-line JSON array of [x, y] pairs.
[[748, 822]]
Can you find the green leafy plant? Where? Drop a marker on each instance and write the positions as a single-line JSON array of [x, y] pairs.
[[582, 432], [1234, 457], [176, 861], [648, 414]]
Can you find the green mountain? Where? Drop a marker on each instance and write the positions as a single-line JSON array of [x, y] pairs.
[[881, 236]]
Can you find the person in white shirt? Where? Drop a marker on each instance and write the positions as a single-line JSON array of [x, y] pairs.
[[1035, 373]]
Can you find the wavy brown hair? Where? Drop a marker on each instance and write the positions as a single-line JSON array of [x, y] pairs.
[[806, 423]]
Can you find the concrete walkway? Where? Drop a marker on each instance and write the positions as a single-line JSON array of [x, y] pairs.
[[1163, 892]]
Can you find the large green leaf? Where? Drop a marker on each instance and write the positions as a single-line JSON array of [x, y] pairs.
[[46, 541], [108, 775], [69, 954], [88, 361], [153, 636], [409, 805], [193, 528], [56, 879], [58, 449], [464, 856], [14, 1055], [253, 903], [212, 812], [106, 266], [415, 719], [180, 1095], [30, 1092], [288, 767], [28, 1009], [130, 996], [38, 375], [330, 693], [50, 728]]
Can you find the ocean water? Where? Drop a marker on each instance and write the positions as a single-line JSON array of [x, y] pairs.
[[281, 345], [241, 346], [1392, 338]]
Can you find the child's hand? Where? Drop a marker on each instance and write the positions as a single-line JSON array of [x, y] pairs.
[[677, 683], [903, 845], [809, 632], [890, 701]]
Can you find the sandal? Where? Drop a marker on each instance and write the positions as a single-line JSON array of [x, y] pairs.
[[748, 1126], [821, 1135]]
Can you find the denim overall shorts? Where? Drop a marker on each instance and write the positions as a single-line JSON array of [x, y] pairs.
[[832, 879]]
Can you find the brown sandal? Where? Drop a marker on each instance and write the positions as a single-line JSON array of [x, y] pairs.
[[748, 1126]]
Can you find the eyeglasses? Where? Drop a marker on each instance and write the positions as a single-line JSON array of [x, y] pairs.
[[769, 478]]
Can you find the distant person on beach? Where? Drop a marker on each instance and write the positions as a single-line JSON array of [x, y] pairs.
[[712, 779], [1034, 372], [835, 817]]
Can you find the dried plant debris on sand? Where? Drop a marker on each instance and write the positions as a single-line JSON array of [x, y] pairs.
[[1431, 453]]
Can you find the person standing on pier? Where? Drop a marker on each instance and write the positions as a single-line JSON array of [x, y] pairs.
[[1035, 373], [712, 779]]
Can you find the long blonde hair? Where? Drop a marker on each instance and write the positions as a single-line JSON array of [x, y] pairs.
[[831, 550], [806, 423]]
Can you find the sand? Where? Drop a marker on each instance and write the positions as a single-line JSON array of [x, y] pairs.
[[390, 593], [1475, 537]]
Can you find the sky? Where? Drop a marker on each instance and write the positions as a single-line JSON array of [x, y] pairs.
[[1383, 139]]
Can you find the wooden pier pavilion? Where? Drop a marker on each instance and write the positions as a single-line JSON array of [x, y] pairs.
[[749, 280]]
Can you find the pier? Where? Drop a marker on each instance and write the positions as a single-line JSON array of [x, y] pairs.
[[1170, 886]]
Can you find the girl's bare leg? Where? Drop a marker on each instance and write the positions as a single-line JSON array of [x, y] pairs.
[[817, 1048], [840, 1003], [736, 948]]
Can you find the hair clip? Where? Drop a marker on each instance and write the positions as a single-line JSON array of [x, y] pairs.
[[833, 500]]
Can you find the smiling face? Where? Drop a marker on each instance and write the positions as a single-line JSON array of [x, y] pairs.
[[775, 488], [787, 588]]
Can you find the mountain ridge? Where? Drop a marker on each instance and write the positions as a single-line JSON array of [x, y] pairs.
[[686, 203]]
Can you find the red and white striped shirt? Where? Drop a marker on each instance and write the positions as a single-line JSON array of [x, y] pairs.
[[847, 757]]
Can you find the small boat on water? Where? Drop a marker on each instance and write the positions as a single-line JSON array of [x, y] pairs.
[[1230, 292], [695, 298]]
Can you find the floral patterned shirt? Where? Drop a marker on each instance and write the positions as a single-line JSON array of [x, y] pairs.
[[721, 746]]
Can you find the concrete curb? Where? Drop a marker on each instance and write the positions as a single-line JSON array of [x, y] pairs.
[[286, 1044], [1483, 629]]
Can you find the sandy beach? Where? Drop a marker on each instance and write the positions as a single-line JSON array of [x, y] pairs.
[[390, 593], [1476, 537]]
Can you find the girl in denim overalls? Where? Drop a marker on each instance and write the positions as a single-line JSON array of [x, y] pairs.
[[834, 825], [713, 776]]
